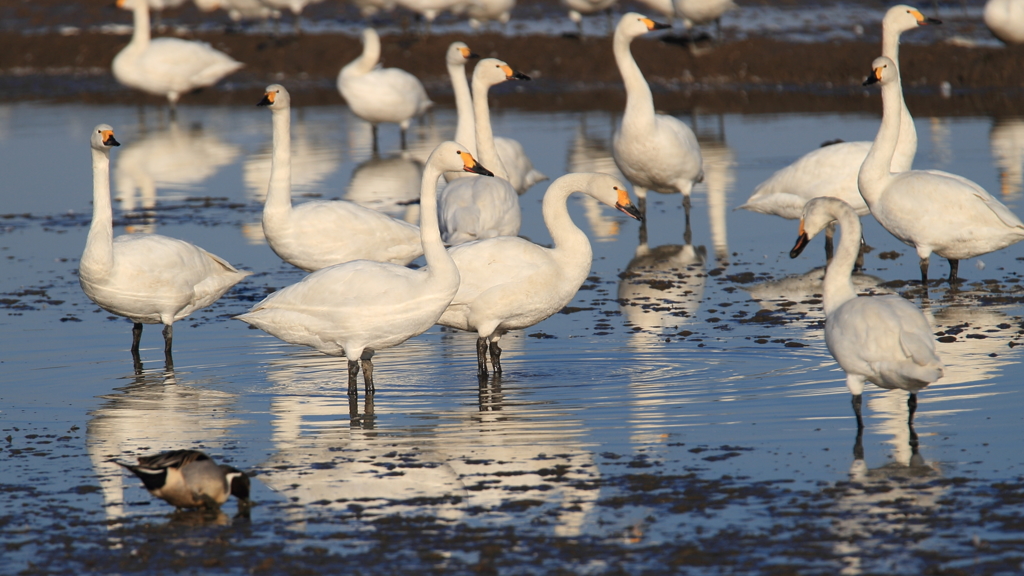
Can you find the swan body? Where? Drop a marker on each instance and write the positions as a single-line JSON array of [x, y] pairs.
[[190, 479], [318, 234], [697, 12], [580, 8], [1005, 18], [881, 339], [481, 11], [356, 308], [474, 208], [431, 9], [932, 211], [378, 94], [510, 283], [832, 170], [653, 151], [147, 278], [167, 67], [368, 8], [239, 10], [521, 173]]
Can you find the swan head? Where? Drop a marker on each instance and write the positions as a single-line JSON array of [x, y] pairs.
[[609, 190], [883, 70], [491, 71], [632, 25], [276, 97], [819, 213], [452, 157], [459, 54], [901, 18], [103, 138]]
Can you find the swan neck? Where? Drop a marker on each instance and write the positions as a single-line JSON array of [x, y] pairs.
[[465, 127], [571, 244], [876, 173], [439, 262], [639, 101], [140, 17], [370, 57], [906, 145], [99, 248], [279, 191], [838, 287], [484, 134]]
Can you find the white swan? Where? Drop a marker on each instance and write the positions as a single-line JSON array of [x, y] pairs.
[[167, 67], [431, 9], [483, 11], [653, 151], [1005, 18], [881, 339], [579, 8], [357, 308], [378, 94], [295, 6], [319, 233], [832, 169], [239, 10], [930, 210], [510, 283], [475, 208], [147, 278], [521, 173], [697, 12]]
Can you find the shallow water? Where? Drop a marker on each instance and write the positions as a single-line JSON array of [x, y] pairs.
[[683, 413]]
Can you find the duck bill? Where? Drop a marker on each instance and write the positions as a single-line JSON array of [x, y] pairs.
[[801, 243], [477, 168], [630, 210]]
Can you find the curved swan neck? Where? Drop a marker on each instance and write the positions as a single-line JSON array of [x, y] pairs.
[[279, 191], [439, 262], [484, 134], [639, 101], [568, 238], [465, 128], [838, 287], [140, 17], [906, 145], [99, 248], [875, 173]]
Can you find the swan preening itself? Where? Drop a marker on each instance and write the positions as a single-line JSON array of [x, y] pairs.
[[321, 233], [832, 169], [356, 308], [881, 339], [378, 94], [510, 283], [932, 211], [147, 278], [167, 67], [190, 479], [653, 151]]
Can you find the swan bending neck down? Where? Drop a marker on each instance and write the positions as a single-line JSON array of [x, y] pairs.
[[653, 151], [510, 283], [319, 233], [932, 211], [147, 278], [356, 308], [881, 339]]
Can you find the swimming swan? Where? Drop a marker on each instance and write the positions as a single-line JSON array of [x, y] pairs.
[[832, 169], [356, 308], [932, 211], [147, 278], [510, 283], [321, 233], [473, 208], [167, 67], [378, 94], [881, 339], [653, 151]]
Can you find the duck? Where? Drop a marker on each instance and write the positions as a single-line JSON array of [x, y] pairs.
[[357, 308], [654, 151], [378, 94], [147, 278], [521, 173], [167, 67], [190, 479], [885, 340], [322, 233], [931, 210], [831, 170], [474, 208], [1005, 18], [509, 283]]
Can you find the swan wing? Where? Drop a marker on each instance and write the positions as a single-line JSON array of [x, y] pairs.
[[182, 61], [997, 207]]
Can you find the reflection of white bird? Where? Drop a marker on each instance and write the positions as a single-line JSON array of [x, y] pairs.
[[654, 151], [356, 308], [473, 208], [509, 283], [930, 210], [591, 154], [1005, 18], [296, 7], [146, 278], [883, 339], [312, 161], [389, 185], [318, 233], [378, 94], [832, 169], [167, 67], [719, 177], [1007, 141]]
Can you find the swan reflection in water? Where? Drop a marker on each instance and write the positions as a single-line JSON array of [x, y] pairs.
[[390, 185], [156, 412], [719, 179], [169, 160], [589, 153], [1007, 141]]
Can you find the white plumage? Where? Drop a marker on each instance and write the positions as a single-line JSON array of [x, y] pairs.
[[1005, 18]]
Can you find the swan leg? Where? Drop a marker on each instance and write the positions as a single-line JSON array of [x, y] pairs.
[[368, 376], [686, 209], [858, 445], [857, 400], [353, 371], [924, 271], [911, 407], [481, 356], [954, 267], [641, 199], [830, 232], [136, 337], [859, 264], [375, 148], [402, 132], [495, 357], [168, 338]]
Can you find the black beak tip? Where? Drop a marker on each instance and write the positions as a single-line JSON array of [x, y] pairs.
[[801, 243], [872, 79], [264, 102], [660, 26], [111, 142], [478, 169], [520, 76], [631, 211], [931, 21], [472, 56]]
